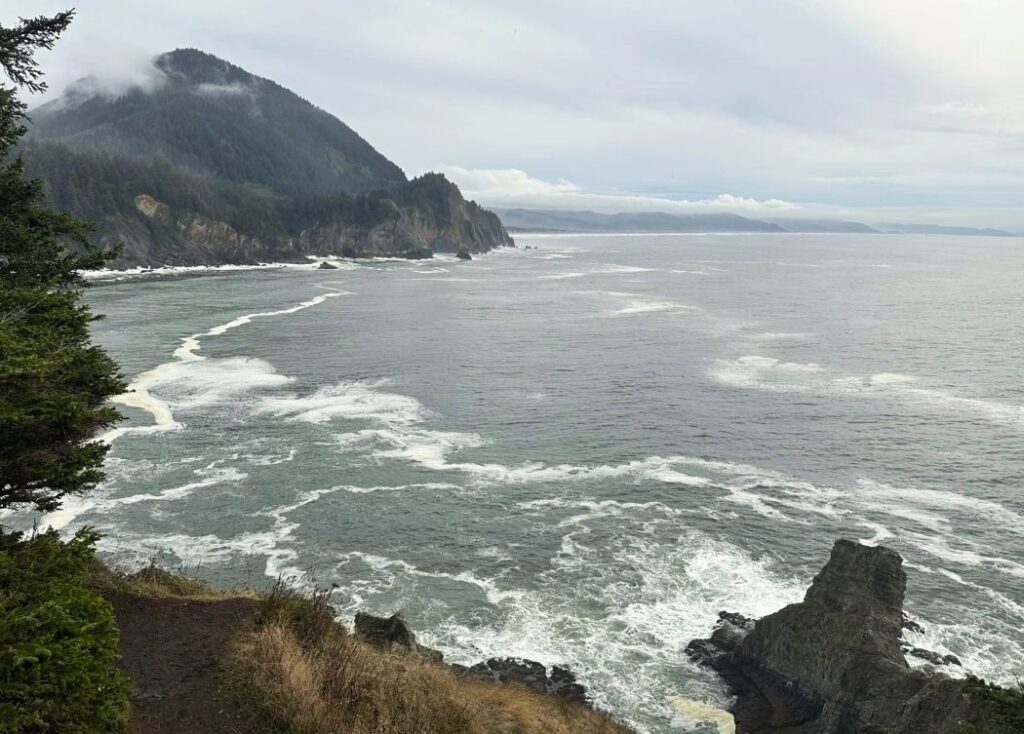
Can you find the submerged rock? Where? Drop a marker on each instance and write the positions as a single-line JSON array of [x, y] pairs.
[[833, 662], [463, 255], [324, 265]]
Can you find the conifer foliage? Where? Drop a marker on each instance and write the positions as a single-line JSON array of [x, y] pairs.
[[54, 383]]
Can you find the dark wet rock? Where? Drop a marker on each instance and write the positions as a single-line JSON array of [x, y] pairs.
[[919, 652], [562, 682], [931, 656], [833, 662], [392, 632], [559, 681], [909, 624], [526, 673], [463, 255], [384, 631], [726, 636], [324, 265]]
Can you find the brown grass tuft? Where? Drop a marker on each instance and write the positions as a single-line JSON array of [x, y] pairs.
[[153, 582], [311, 678]]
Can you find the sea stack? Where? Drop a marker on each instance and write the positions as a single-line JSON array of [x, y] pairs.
[[833, 663]]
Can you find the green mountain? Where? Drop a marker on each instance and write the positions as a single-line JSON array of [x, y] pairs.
[[209, 164]]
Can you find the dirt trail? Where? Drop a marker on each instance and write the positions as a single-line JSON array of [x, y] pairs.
[[172, 650]]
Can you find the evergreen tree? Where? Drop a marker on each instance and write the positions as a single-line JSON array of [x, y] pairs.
[[54, 383]]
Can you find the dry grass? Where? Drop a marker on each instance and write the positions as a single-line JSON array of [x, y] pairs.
[[308, 677], [153, 582]]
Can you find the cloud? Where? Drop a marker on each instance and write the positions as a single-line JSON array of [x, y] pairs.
[[513, 187], [914, 105], [217, 90], [507, 182]]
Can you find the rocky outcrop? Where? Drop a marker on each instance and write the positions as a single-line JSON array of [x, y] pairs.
[[557, 681], [394, 634], [833, 663]]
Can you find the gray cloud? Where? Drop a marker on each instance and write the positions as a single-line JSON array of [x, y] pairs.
[[841, 103]]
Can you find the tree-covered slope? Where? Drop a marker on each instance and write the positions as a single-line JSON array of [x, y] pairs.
[[212, 117], [208, 164]]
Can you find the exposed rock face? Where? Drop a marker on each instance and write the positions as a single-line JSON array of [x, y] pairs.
[[164, 236], [451, 224], [833, 662]]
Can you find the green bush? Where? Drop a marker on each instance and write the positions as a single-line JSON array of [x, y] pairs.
[[58, 641], [1003, 707]]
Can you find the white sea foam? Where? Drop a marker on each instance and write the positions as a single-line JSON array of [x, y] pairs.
[[697, 713], [647, 602], [768, 373], [348, 401], [561, 276], [780, 336], [940, 547], [881, 532], [219, 379], [936, 509], [172, 270], [397, 431], [434, 486], [104, 502], [639, 306]]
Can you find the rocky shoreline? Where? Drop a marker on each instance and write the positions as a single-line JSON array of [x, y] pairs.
[[834, 663], [393, 633]]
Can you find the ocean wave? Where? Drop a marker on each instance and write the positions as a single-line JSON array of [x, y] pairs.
[[937, 509], [768, 373], [171, 270], [778, 336], [242, 373], [357, 400]]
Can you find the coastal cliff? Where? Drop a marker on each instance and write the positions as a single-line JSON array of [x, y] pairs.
[[834, 664], [207, 164], [405, 224]]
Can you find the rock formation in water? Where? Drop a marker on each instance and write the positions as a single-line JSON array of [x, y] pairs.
[[833, 663], [208, 164]]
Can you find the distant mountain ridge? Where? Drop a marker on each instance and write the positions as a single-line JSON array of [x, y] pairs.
[[558, 220], [210, 164]]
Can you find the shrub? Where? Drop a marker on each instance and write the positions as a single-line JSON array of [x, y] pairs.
[[58, 640], [1003, 708]]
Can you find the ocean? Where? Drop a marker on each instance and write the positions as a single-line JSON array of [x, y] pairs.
[[580, 452]]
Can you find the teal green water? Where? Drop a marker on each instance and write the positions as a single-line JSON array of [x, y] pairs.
[[580, 453]]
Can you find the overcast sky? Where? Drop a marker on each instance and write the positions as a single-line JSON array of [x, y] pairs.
[[880, 110]]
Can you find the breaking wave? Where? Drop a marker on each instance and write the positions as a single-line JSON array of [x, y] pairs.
[[245, 374], [768, 373]]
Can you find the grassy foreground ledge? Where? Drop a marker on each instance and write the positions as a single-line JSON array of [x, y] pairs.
[[308, 674], [288, 667]]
